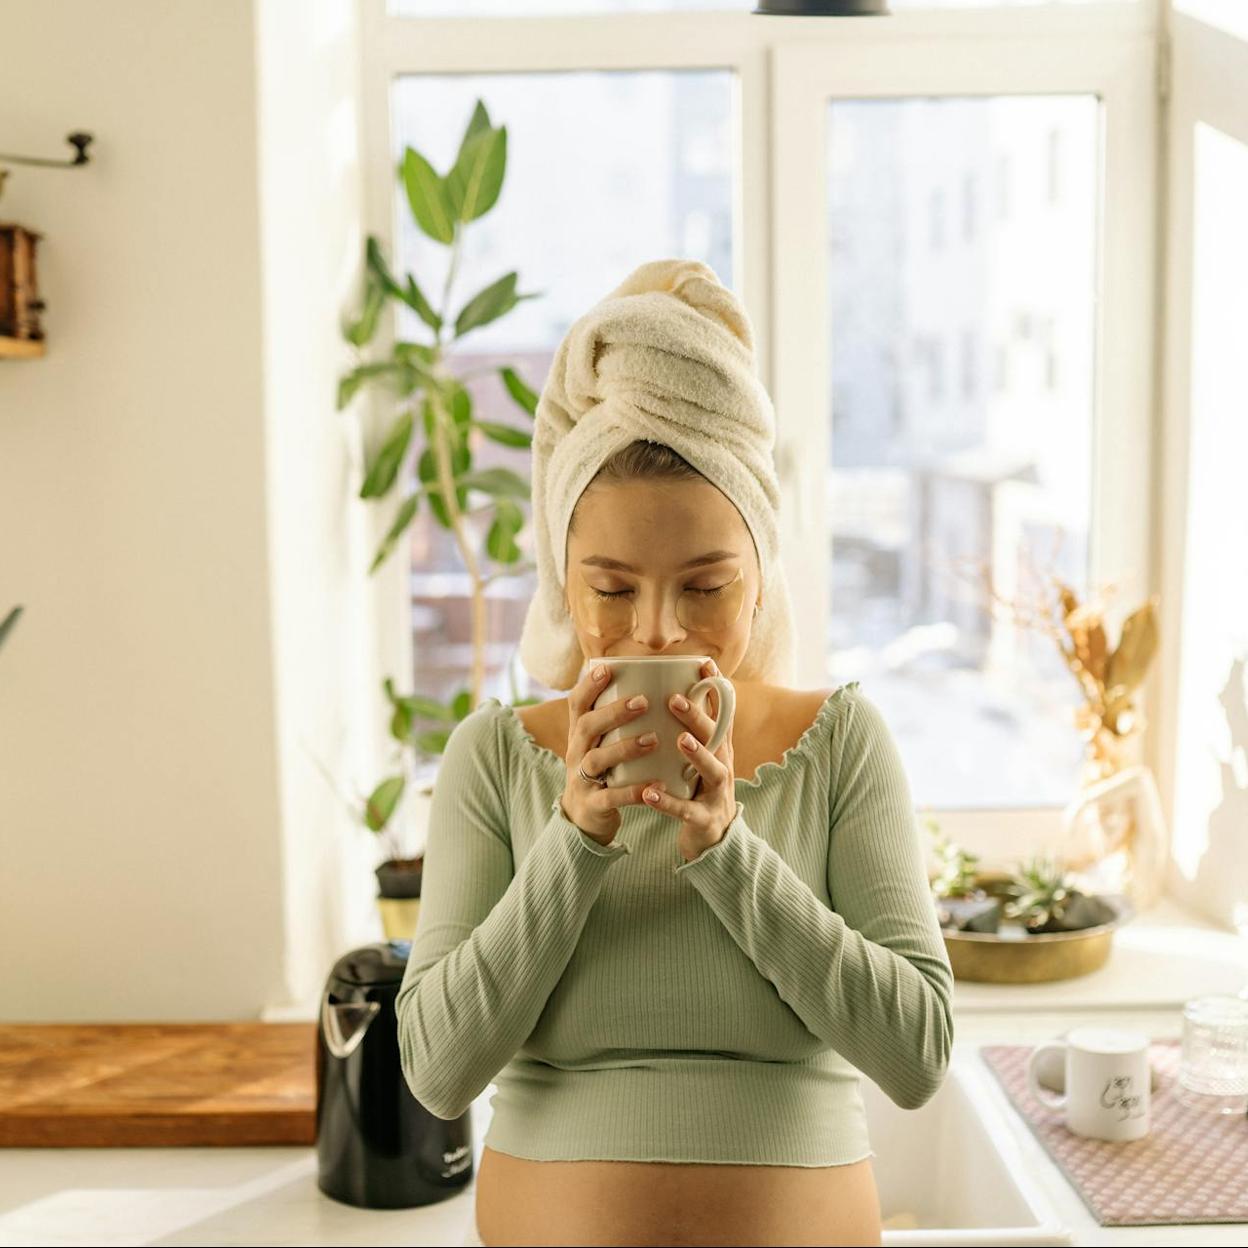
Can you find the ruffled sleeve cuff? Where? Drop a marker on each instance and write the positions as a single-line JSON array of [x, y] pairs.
[[574, 834], [725, 854]]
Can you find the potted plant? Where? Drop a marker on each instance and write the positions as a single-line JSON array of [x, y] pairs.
[[431, 399], [1034, 923], [1044, 898]]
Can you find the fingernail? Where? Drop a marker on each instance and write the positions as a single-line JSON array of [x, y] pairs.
[[687, 741], [680, 702], [600, 673], [635, 704], [651, 795], [648, 738]]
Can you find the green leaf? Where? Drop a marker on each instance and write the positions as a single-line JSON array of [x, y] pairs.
[[413, 296], [415, 299], [488, 305], [480, 120], [402, 519], [518, 390], [376, 262], [361, 332], [461, 410], [500, 541], [461, 704], [426, 194], [401, 722], [417, 355], [501, 481], [505, 434], [348, 385], [382, 801], [474, 183], [433, 742], [9, 621], [427, 708], [385, 466]]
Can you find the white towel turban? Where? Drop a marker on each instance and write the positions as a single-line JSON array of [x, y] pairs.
[[667, 356]]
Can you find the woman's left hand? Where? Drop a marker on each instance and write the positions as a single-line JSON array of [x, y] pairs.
[[704, 818]]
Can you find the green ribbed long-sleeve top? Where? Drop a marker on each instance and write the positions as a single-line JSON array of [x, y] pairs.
[[629, 1005]]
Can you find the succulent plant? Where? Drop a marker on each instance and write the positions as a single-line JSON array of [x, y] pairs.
[[1039, 893], [958, 871]]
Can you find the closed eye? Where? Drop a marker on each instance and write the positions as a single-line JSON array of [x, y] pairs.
[[619, 593]]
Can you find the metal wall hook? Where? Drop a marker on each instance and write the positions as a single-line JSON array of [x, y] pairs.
[[79, 140]]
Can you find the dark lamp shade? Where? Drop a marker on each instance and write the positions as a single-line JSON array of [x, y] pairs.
[[822, 8]]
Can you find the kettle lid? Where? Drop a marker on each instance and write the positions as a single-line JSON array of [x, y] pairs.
[[369, 965]]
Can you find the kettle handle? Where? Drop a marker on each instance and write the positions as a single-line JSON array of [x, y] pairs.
[[340, 1043]]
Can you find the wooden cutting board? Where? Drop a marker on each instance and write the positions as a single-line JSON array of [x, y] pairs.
[[110, 1085]]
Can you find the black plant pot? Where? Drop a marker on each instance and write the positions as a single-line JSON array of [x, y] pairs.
[[400, 878]]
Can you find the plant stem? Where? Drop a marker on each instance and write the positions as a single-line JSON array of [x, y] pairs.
[[450, 500]]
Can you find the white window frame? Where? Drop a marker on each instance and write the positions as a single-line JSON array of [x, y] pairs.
[[1207, 81], [786, 70]]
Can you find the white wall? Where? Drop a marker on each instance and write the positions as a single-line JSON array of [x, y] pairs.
[[172, 477]]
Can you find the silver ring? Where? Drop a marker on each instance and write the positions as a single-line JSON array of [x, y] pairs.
[[595, 780]]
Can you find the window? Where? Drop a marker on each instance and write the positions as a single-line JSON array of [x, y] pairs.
[[884, 238]]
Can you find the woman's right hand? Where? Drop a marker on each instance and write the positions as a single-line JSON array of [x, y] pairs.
[[593, 808]]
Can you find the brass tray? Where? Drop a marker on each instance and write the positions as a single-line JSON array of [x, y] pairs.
[[1017, 958]]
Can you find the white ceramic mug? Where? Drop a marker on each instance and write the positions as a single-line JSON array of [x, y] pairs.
[[658, 677], [1107, 1082]]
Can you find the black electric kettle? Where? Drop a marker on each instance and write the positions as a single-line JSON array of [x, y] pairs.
[[376, 1144]]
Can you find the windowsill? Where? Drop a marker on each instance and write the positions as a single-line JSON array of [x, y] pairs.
[[1159, 960]]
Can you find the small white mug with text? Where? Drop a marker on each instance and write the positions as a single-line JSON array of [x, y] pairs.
[[1107, 1082]]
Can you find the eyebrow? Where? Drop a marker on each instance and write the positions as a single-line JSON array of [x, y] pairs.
[[614, 565]]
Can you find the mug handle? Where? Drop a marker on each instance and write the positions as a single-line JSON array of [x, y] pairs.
[[1045, 1096], [723, 721]]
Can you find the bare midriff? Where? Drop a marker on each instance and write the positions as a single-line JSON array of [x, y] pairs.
[[521, 1201]]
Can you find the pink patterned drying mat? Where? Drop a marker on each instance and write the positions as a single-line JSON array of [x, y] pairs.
[[1191, 1167]]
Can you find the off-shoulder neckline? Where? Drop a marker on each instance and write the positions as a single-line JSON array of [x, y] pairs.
[[798, 749]]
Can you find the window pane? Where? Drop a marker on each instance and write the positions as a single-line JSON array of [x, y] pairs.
[[605, 170], [962, 283]]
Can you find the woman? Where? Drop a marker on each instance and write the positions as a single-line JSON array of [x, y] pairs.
[[677, 1040]]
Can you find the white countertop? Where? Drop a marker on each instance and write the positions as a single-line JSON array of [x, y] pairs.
[[269, 1195]]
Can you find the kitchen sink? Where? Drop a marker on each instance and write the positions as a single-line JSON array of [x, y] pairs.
[[956, 1170]]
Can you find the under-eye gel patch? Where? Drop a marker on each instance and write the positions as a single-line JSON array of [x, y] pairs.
[[612, 614]]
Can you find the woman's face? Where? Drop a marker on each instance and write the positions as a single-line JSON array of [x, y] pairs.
[[630, 584]]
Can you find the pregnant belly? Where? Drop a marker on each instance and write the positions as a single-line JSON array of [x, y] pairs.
[[519, 1201]]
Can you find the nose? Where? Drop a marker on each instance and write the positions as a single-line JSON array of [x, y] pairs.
[[657, 626]]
